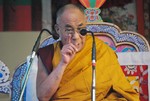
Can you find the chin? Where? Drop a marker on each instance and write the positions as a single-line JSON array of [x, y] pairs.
[[79, 50], [81, 46]]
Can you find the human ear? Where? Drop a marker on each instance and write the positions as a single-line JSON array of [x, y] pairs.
[[56, 28]]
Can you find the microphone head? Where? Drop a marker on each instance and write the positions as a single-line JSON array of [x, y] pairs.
[[55, 36], [83, 32]]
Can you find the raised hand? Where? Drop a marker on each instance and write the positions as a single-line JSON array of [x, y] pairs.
[[68, 51]]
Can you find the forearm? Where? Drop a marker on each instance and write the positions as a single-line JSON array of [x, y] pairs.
[[49, 86]]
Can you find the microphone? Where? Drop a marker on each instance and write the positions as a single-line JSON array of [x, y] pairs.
[[34, 51], [54, 35], [84, 32], [37, 43]]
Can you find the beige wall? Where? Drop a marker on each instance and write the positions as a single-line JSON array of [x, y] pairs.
[[14, 48]]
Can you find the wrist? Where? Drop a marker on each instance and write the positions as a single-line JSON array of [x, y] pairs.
[[63, 64]]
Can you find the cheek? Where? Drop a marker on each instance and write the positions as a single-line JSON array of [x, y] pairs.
[[63, 39]]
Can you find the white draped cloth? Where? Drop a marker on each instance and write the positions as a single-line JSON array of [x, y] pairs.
[[31, 84]]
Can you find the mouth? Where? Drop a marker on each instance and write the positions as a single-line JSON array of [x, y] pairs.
[[77, 44]]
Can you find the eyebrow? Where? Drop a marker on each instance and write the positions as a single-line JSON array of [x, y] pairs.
[[68, 25]]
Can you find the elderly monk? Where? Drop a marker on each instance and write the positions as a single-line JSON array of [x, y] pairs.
[[65, 71]]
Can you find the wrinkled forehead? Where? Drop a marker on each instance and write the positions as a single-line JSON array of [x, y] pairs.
[[71, 14]]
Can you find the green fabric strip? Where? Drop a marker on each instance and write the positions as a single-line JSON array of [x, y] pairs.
[[20, 2], [1, 2], [92, 3]]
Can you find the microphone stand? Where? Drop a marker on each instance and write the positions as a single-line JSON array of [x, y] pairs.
[[93, 95], [34, 51]]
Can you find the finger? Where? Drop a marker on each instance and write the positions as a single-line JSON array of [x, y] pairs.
[[71, 51], [68, 39], [74, 48]]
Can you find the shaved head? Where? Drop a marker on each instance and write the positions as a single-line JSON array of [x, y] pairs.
[[68, 7]]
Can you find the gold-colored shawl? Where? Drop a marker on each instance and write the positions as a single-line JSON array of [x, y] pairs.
[[111, 83]]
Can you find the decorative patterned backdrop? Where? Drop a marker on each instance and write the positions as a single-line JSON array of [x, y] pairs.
[[124, 14], [26, 15], [5, 86]]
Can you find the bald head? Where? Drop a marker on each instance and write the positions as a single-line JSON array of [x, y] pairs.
[[68, 7]]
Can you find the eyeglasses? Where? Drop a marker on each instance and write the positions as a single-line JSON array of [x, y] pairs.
[[70, 30]]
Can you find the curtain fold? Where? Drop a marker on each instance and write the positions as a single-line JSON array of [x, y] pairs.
[[20, 15], [1, 15], [17, 15]]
